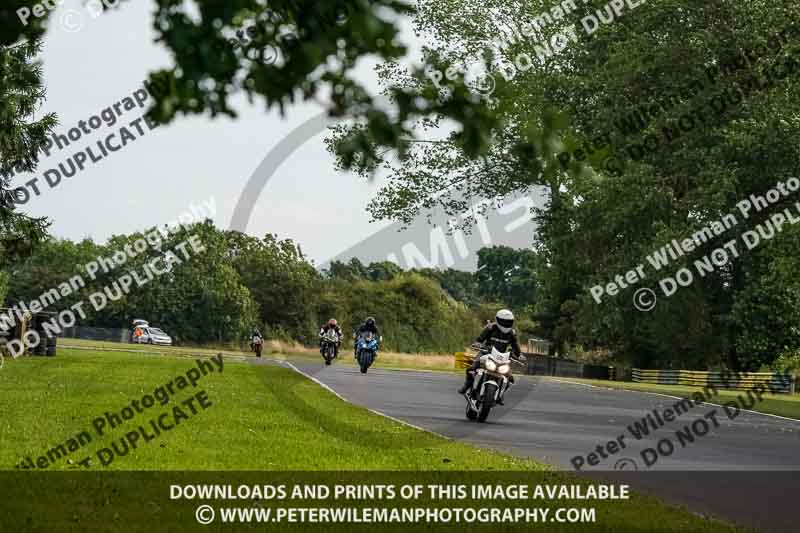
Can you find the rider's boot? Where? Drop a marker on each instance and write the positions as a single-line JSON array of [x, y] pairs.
[[467, 384]]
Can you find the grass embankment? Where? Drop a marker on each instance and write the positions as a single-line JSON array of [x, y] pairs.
[[261, 417], [46, 401], [787, 405], [278, 350]]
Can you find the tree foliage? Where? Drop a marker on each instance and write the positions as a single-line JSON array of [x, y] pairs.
[[602, 221], [21, 94], [286, 51], [239, 282]]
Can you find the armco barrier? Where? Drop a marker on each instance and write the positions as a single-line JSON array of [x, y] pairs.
[[722, 380], [98, 334]]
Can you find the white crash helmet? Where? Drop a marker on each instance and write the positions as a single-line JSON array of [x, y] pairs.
[[505, 320]]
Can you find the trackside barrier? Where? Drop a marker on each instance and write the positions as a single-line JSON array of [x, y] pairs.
[[782, 383], [463, 360], [98, 334], [541, 365]]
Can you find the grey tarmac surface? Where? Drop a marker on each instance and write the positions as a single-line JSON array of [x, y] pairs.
[[745, 469]]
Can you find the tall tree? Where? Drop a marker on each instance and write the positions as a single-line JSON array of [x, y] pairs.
[[21, 137], [670, 60]]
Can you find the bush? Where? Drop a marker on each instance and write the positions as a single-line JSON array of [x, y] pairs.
[[413, 312], [787, 363]]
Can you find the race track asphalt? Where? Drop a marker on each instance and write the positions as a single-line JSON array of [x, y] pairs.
[[745, 469]]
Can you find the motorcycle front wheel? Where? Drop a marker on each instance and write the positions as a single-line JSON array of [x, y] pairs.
[[471, 414], [487, 402], [329, 354], [363, 361]]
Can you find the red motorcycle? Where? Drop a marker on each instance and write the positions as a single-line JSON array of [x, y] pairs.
[[257, 346]]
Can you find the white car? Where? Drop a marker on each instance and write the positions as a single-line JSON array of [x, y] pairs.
[[151, 335]]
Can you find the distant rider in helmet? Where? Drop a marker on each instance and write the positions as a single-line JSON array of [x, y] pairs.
[[368, 325], [500, 335], [256, 338], [334, 325]]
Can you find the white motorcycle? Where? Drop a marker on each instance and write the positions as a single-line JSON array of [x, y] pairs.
[[491, 380], [330, 339]]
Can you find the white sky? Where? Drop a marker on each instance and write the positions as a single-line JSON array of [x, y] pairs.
[[154, 179], [157, 177]]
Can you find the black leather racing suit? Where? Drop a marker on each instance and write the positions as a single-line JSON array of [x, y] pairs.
[[493, 336]]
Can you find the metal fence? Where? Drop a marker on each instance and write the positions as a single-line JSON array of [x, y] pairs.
[[553, 366], [541, 365], [98, 334]]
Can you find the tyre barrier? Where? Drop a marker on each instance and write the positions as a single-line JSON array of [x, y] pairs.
[[774, 382]]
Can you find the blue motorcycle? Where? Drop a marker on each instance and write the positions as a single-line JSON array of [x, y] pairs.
[[366, 350]]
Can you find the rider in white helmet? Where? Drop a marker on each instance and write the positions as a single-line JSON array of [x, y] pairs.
[[500, 335]]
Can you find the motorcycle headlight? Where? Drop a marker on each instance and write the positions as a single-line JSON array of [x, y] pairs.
[[504, 369], [490, 365]]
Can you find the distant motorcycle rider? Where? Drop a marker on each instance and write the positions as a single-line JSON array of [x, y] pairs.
[[255, 340], [331, 325], [368, 326], [499, 335]]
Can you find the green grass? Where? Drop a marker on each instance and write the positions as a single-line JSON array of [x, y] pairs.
[[64, 394], [278, 350], [787, 405], [144, 348], [262, 418]]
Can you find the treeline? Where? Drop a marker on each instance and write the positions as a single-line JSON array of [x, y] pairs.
[[616, 195], [240, 282]]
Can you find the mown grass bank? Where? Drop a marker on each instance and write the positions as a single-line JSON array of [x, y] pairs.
[[255, 417]]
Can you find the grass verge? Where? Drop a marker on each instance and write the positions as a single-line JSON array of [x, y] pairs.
[[258, 417], [277, 350]]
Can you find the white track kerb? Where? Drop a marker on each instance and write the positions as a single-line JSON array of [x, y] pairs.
[[327, 388]]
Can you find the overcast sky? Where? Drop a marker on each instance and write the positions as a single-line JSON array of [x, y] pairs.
[[154, 179], [157, 177]]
